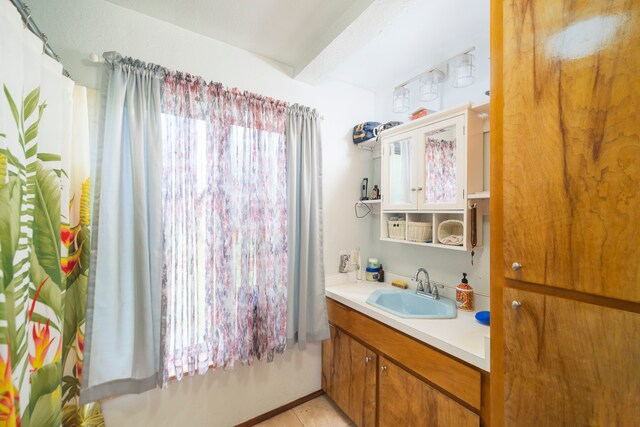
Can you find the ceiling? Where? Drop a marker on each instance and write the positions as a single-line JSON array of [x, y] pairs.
[[367, 43], [288, 31], [427, 33]]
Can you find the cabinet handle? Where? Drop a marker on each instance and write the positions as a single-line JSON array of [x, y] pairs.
[[367, 359], [383, 368], [419, 188], [516, 266], [413, 189], [515, 304]]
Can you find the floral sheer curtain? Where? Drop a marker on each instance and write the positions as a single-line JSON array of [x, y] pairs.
[[225, 227]]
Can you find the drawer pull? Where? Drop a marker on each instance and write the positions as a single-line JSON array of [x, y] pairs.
[[515, 304], [383, 368], [516, 266], [367, 359]]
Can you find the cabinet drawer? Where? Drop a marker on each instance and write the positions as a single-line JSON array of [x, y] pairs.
[[439, 369]]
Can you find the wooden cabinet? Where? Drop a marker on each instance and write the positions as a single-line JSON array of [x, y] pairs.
[[565, 150], [405, 400], [400, 171], [572, 147], [416, 385], [442, 165], [579, 360], [434, 163], [349, 377], [429, 168]]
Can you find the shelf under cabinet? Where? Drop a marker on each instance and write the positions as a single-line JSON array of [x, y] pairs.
[[427, 245]]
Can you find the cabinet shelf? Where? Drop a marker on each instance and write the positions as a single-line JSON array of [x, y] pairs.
[[426, 245], [369, 144], [369, 202], [481, 195]]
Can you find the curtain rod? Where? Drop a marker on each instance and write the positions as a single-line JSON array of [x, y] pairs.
[[25, 13]]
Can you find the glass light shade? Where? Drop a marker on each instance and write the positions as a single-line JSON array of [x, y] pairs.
[[400, 100], [430, 85], [464, 70]]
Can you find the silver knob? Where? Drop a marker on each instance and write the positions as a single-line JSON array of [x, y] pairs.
[[413, 189], [516, 266], [515, 304], [383, 368], [367, 359], [419, 188]]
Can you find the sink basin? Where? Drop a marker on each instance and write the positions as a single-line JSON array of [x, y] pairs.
[[409, 305]]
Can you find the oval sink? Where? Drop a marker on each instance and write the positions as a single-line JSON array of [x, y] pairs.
[[409, 305]]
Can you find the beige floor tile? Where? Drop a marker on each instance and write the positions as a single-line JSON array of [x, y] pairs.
[[286, 419], [320, 412]]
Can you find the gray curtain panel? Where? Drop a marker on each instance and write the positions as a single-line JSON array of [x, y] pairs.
[[123, 303], [306, 306]]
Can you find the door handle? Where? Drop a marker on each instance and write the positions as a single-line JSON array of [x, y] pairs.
[[383, 368], [367, 359]]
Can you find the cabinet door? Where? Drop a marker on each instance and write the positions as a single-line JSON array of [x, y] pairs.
[[579, 360], [442, 165], [399, 172], [572, 144], [405, 400], [349, 377]]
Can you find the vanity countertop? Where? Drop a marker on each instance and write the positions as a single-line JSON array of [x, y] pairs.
[[462, 337]]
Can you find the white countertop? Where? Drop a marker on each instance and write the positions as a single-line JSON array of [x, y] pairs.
[[462, 337]]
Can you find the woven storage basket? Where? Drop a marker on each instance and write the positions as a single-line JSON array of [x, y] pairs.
[[397, 229], [450, 227], [418, 231]]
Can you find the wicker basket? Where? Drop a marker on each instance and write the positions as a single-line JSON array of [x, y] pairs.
[[449, 228], [397, 229], [418, 231]]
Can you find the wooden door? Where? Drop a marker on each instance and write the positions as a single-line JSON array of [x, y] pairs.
[[569, 363], [405, 400], [399, 172], [349, 377], [571, 149], [442, 164]]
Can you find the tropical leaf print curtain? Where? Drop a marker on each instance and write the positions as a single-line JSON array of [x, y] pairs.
[[43, 258], [225, 227]]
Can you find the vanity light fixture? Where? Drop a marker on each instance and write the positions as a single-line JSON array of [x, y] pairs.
[[430, 85], [461, 68], [400, 99]]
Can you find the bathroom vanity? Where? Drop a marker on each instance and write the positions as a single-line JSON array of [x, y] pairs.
[[381, 369]]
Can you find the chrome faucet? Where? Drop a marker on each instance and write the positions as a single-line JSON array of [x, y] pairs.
[[431, 289]]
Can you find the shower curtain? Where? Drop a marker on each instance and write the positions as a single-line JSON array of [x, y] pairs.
[[43, 235]]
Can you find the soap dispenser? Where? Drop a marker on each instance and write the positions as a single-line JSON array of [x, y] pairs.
[[464, 295]]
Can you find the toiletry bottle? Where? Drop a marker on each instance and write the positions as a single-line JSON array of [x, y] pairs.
[[464, 295], [359, 268], [381, 274]]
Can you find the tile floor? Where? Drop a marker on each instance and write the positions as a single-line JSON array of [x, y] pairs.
[[319, 412]]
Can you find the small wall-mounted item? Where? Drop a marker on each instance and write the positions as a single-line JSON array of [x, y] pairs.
[[363, 189]]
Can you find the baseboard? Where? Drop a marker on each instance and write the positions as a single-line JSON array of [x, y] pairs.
[[281, 409]]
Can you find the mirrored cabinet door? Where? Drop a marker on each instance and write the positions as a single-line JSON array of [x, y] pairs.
[[399, 170], [441, 168]]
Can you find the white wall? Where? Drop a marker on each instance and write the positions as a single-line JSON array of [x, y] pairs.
[[443, 265], [77, 28]]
